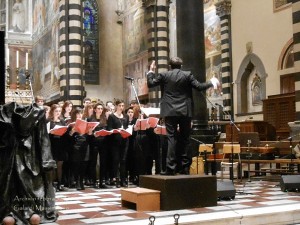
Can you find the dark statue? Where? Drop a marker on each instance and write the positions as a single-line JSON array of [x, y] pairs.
[[26, 164]]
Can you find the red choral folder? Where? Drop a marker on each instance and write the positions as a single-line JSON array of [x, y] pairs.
[[144, 124], [124, 133], [141, 124], [103, 133], [58, 130], [83, 127], [153, 121], [160, 130]]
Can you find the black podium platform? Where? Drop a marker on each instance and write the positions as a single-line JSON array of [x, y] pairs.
[[183, 191]]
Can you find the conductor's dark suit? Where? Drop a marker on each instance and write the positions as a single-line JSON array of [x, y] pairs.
[[177, 108]]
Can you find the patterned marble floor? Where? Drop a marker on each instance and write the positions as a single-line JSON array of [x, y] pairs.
[[256, 202]]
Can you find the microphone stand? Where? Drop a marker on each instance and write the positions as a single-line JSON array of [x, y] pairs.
[[213, 107], [134, 91], [214, 167], [249, 156], [139, 135], [291, 148], [232, 124]]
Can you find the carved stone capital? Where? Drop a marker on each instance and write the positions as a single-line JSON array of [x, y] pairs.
[[148, 3], [223, 8]]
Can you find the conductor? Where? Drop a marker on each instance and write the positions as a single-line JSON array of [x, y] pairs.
[[176, 107]]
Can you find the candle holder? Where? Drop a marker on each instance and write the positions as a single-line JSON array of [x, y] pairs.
[[14, 90], [27, 75], [18, 82], [7, 77]]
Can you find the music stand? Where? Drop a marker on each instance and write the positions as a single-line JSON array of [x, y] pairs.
[[205, 148], [231, 149], [244, 138], [249, 139], [155, 112]]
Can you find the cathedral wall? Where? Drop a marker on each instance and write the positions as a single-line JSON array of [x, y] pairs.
[[45, 50], [111, 77], [135, 54], [257, 25]]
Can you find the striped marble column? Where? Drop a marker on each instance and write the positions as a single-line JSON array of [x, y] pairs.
[[223, 8], [296, 37], [71, 51], [158, 40]]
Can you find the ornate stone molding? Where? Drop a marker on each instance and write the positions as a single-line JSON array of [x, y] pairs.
[[23, 97], [148, 3], [223, 8]]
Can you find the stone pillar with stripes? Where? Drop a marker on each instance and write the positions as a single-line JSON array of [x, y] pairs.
[[71, 51], [223, 8], [296, 38], [156, 14]]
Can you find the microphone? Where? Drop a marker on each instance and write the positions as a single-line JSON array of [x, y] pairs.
[[219, 105], [197, 140], [129, 78], [233, 124]]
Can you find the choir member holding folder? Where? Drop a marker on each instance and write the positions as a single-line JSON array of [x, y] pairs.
[[98, 146], [58, 141], [88, 110], [80, 138], [67, 107], [118, 144], [146, 143], [131, 154]]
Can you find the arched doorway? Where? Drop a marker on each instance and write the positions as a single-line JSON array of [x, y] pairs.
[[251, 85]]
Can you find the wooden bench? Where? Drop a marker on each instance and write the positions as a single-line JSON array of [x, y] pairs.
[[279, 166], [143, 198], [264, 171], [277, 171]]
